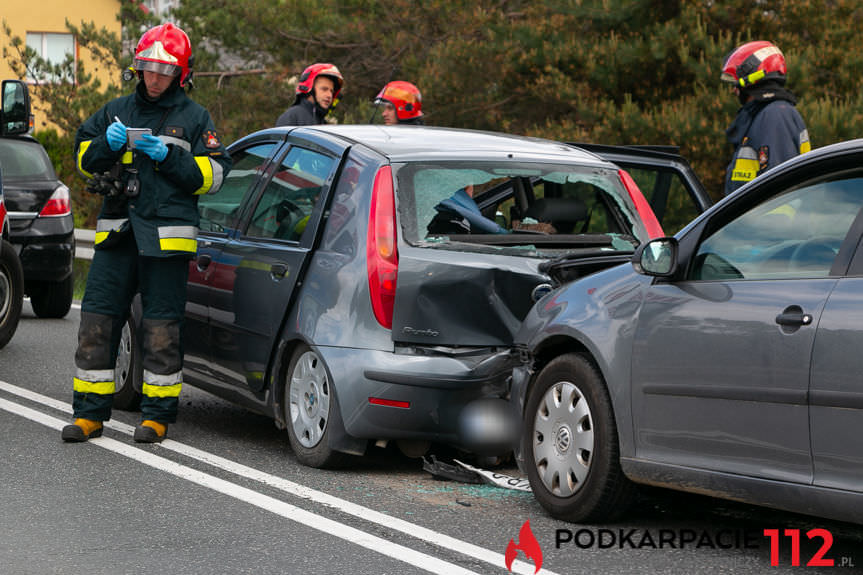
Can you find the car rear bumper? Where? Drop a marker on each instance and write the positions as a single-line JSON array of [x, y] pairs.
[[417, 394], [46, 246]]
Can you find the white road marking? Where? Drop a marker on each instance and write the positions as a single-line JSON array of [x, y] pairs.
[[286, 510], [344, 506]]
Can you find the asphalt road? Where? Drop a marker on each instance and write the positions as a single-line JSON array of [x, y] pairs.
[[226, 495]]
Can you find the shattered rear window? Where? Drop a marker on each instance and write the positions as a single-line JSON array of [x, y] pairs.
[[517, 207]]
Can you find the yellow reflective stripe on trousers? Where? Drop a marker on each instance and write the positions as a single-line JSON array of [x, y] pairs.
[[98, 387], [82, 149], [161, 390], [162, 385], [178, 238]]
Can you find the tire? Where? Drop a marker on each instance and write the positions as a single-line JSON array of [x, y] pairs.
[[570, 444], [52, 299], [309, 409], [11, 291], [128, 371]]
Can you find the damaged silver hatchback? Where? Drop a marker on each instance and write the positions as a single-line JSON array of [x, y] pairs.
[[362, 284]]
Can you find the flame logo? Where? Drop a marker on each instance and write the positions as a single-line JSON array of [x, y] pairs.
[[528, 545]]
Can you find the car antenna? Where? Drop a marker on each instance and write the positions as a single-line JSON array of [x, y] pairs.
[[377, 105]]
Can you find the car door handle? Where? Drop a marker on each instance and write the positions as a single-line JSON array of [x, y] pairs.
[[203, 262], [278, 270], [793, 317]]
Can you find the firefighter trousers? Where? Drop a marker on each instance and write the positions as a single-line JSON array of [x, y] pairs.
[[115, 276]]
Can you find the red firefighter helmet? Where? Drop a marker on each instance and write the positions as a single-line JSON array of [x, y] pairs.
[[405, 97], [165, 49], [754, 62], [307, 79]]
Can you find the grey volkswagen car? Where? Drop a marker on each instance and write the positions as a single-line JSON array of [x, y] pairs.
[[326, 295], [724, 361]]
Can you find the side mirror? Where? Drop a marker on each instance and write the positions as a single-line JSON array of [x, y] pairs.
[[656, 258], [15, 108]]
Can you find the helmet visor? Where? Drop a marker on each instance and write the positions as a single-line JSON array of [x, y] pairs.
[[157, 67]]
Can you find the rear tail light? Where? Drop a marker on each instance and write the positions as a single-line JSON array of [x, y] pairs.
[[645, 212], [59, 204], [382, 258]]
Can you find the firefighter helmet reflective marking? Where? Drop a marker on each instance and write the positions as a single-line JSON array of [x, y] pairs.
[[405, 97], [754, 62], [165, 49]]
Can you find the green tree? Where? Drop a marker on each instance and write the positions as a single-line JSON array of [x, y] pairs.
[[67, 92]]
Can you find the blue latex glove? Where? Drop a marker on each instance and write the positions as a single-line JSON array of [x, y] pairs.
[[153, 147], [116, 135]]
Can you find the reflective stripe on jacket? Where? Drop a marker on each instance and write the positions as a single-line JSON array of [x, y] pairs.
[[776, 134], [164, 214]]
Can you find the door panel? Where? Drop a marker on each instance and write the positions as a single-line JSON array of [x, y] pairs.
[[717, 384], [210, 275], [836, 394], [262, 267], [721, 361]]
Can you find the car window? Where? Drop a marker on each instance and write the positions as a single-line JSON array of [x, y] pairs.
[[25, 160], [286, 204], [219, 211], [794, 235], [514, 198], [667, 195]]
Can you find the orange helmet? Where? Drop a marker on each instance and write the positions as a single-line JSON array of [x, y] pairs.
[[165, 49], [307, 79], [754, 62], [405, 97]]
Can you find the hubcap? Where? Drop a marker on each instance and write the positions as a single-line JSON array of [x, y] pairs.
[[124, 358], [5, 294], [563, 439], [309, 399]]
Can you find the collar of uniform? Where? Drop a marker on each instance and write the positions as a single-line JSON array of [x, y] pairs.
[[172, 96]]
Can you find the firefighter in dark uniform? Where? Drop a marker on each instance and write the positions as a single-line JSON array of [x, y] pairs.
[[146, 232], [768, 128], [317, 93], [402, 104]]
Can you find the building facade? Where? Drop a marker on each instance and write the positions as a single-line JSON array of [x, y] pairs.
[[42, 25]]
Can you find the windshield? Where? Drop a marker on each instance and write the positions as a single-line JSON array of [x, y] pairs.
[[532, 207]]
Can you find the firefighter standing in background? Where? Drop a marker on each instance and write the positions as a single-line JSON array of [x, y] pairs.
[[768, 129], [317, 93], [146, 232], [402, 103]]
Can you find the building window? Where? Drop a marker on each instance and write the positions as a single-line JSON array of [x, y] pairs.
[[52, 48]]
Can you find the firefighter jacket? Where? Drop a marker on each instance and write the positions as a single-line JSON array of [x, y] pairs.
[[164, 214], [304, 113], [764, 134]]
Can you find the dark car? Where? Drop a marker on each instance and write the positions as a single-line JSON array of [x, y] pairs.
[[14, 119], [326, 295], [724, 361], [41, 224]]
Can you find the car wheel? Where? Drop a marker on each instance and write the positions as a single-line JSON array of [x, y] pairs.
[[11, 291], [570, 443], [128, 371], [310, 407], [52, 299]]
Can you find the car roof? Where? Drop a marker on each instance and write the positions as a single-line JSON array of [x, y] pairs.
[[401, 143]]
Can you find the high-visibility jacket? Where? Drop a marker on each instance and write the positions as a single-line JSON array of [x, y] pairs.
[[763, 136], [164, 214]]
